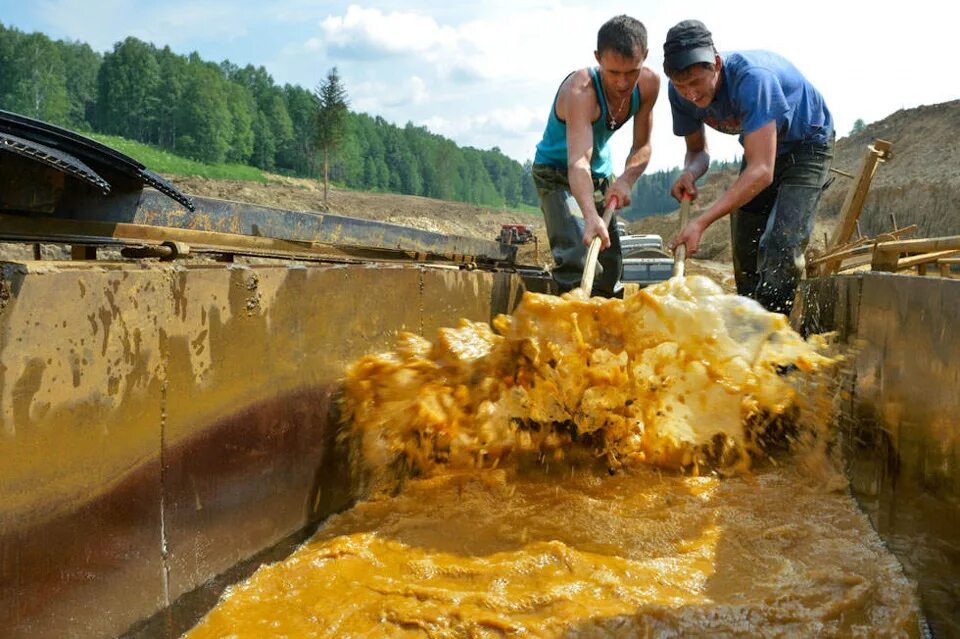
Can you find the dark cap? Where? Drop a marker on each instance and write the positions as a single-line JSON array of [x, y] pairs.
[[688, 42]]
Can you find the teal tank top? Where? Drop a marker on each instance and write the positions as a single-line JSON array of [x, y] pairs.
[[552, 149]]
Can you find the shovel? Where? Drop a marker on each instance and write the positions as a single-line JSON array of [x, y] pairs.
[[680, 254], [590, 268]]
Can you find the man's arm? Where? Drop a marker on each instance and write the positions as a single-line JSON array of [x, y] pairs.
[[640, 150], [579, 105], [695, 164], [760, 152]]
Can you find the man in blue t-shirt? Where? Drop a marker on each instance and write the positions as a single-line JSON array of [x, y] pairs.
[[573, 169], [787, 137]]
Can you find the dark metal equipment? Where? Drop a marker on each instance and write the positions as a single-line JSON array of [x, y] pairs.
[[117, 169]]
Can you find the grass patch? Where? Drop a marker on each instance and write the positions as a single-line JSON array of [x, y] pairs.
[[167, 163]]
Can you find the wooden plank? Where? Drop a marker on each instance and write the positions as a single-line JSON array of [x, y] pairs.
[[922, 245], [857, 196], [854, 249], [856, 261], [859, 249], [926, 258]]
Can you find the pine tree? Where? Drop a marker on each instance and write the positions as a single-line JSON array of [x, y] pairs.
[[331, 121]]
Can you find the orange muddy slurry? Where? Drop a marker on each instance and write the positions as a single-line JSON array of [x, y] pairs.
[[678, 375], [555, 494], [496, 553]]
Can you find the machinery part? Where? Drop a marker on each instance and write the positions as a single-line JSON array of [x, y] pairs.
[[515, 234], [167, 251], [53, 158], [110, 163], [240, 225]]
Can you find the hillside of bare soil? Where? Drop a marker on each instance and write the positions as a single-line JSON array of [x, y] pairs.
[[919, 185]]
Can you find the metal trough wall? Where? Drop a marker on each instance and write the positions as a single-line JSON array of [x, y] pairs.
[[902, 419], [161, 424]]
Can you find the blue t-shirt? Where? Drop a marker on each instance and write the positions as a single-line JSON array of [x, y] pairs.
[[755, 88], [552, 149]]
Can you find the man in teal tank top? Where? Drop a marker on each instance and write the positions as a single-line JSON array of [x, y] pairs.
[[572, 169]]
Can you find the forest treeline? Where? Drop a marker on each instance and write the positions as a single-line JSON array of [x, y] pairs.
[[224, 113]]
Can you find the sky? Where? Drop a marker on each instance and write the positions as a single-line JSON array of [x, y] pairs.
[[485, 73]]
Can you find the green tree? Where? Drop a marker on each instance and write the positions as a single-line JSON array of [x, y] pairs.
[[271, 125], [81, 64], [298, 154], [36, 85], [858, 126], [331, 120], [242, 113], [219, 111], [348, 165], [204, 119], [528, 190], [127, 96], [173, 78], [8, 40]]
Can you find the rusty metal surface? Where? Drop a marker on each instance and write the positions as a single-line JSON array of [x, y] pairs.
[[901, 423], [229, 225], [224, 216], [159, 425]]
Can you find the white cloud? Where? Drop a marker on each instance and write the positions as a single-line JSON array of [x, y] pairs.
[[377, 97], [369, 34]]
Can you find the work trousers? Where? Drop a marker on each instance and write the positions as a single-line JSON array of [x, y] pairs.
[[771, 232], [565, 227]]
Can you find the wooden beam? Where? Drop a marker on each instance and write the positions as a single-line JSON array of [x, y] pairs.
[[853, 249], [858, 249], [922, 245], [852, 206], [924, 259]]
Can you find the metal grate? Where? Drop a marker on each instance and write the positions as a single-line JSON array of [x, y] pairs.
[[53, 158]]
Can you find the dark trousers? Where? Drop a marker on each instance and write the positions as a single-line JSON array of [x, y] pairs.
[[565, 226], [770, 233]]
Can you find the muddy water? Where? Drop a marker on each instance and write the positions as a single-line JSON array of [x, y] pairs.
[[589, 468], [584, 554]]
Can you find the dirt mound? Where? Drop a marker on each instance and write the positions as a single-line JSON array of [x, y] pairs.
[[919, 185]]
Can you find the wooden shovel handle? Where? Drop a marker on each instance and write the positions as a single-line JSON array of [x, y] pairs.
[[680, 254], [590, 268]]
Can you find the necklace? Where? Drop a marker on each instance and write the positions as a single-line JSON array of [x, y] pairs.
[[611, 117]]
